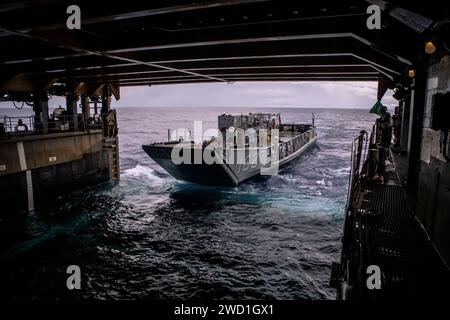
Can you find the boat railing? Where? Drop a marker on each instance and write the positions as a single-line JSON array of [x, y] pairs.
[[294, 144], [291, 146], [294, 127], [178, 135]]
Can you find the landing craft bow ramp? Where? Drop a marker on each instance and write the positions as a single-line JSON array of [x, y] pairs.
[[169, 42]]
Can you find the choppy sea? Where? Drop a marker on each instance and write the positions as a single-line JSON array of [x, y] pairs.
[[151, 236]]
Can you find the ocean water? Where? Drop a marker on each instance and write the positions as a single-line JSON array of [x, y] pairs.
[[150, 236]]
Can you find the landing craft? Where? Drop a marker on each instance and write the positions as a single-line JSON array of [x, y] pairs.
[[247, 146]]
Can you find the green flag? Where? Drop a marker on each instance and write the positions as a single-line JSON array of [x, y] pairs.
[[376, 108]]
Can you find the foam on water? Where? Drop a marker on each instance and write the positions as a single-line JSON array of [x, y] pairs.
[[144, 174], [151, 236]]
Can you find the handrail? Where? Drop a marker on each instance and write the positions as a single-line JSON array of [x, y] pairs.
[[9, 124], [358, 144], [185, 135], [356, 164], [62, 123]]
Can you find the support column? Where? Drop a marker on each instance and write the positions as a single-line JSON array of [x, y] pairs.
[[72, 110], [106, 100], [106, 106], [406, 110], [41, 111], [85, 109], [418, 106]]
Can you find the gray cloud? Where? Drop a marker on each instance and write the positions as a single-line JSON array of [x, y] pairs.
[[250, 94], [256, 94]]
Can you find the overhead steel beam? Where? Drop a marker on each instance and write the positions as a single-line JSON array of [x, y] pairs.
[[300, 66], [211, 46], [324, 45], [248, 61], [146, 83], [286, 30], [137, 69], [272, 79], [384, 67], [235, 41], [127, 73], [248, 75], [312, 49], [8, 7], [90, 19], [312, 78], [67, 44], [96, 64]]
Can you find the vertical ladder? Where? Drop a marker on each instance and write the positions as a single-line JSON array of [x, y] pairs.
[[112, 145]]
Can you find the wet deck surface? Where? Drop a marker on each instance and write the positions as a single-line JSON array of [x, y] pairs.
[[393, 239]]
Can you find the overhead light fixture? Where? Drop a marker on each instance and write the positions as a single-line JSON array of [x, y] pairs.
[[430, 48], [411, 72]]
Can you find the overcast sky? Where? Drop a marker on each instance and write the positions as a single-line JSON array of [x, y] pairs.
[[250, 94], [256, 94]]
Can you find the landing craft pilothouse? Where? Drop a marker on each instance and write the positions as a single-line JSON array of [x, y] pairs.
[[246, 146]]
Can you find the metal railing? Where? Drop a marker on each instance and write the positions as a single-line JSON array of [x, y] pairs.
[[95, 121], [19, 125], [358, 155], [289, 147], [178, 135], [359, 144], [32, 125]]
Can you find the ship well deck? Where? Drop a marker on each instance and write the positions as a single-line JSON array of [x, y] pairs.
[[391, 237]]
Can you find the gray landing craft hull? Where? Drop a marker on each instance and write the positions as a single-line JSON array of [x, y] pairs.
[[213, 174]]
